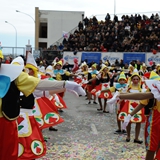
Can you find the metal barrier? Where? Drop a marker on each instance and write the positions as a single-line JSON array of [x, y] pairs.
[[13, 51], [50, 55]]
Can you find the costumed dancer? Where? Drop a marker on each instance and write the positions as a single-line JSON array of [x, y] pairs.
[[120, 87], [82, 75], [75, 67], [41, 68], [134, 87], [45, 116], [61, 74], [152, 140], [143, 70], [12, 81], [92, 82], [56, 100], [104, 79], [151, 102], [31, 143]]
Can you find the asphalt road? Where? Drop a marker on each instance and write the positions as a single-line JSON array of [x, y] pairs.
[[88, 134]]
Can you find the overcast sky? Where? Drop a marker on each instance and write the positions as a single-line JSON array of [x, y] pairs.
[[25, 25]]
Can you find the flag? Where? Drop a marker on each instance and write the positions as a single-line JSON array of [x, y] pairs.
[[65, 34]]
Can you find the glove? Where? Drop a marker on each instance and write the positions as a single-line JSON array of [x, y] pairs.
[[73, 92], [75, 87], [111, 108], [114, 98], [98, 93], [126, 121], [157, 84], [85, 82], [56, 98], [156, 93]]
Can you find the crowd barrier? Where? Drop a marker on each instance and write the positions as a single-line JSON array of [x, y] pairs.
[[127, 57]]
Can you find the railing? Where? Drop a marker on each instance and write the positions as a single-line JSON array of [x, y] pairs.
[[57, 43], [13, 51], [50, 55]]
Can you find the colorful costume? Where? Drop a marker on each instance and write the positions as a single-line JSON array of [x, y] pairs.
[[130, 105]]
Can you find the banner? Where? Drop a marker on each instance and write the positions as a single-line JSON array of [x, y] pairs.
[[69, 57], [128, 57], [153, 58], [111, 56], [91, 56]]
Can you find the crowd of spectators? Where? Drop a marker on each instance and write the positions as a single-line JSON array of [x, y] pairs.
[[133, 33]]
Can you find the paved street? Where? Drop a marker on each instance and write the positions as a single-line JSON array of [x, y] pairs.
[[87, 134]]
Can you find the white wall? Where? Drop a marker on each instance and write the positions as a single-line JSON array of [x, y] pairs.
[[59, 21]]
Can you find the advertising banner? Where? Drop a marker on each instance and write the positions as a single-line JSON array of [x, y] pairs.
[[153, 58], [91, 56], [128, 57], [69, 57], [112, 56]]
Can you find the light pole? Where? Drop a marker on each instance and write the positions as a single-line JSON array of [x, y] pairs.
[[16, 35], [114, 7], [26, 14]]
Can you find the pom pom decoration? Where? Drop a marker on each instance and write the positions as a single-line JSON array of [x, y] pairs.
[[154, 51], [75, 67], [150, 63]]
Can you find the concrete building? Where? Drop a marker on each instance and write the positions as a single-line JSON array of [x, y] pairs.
[[49, 25]]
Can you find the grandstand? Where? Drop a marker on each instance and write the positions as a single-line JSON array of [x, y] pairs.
[[134, 33]]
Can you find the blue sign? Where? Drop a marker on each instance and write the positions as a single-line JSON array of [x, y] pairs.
[[128, 57], [92, 56]]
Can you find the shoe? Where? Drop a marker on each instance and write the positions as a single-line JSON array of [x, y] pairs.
[[99, 109], [127, 140], [95, 102], [138, 141], [60, 110], [118, 131], [124, 132], [105, 111], [52, 129], [89, 102]]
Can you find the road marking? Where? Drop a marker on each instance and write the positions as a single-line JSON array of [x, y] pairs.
[[93, 128]]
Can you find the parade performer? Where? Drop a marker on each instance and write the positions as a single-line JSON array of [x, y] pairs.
[[45, 116], [120, 87], [12, 81], [82, 75], [152, 112], [75, 67], [92, 82], [104, 79], [57, 101], [134, 87], [143, 70], [30, 143]]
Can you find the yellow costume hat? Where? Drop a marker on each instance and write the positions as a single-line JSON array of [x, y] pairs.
[[31, 63], [158, 66], [154, 76], [122, 76], [60, 62], [103, 67], [131, 68], [144, 65], [135, 73], [106, 63], [94, 65], [1, 54]]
